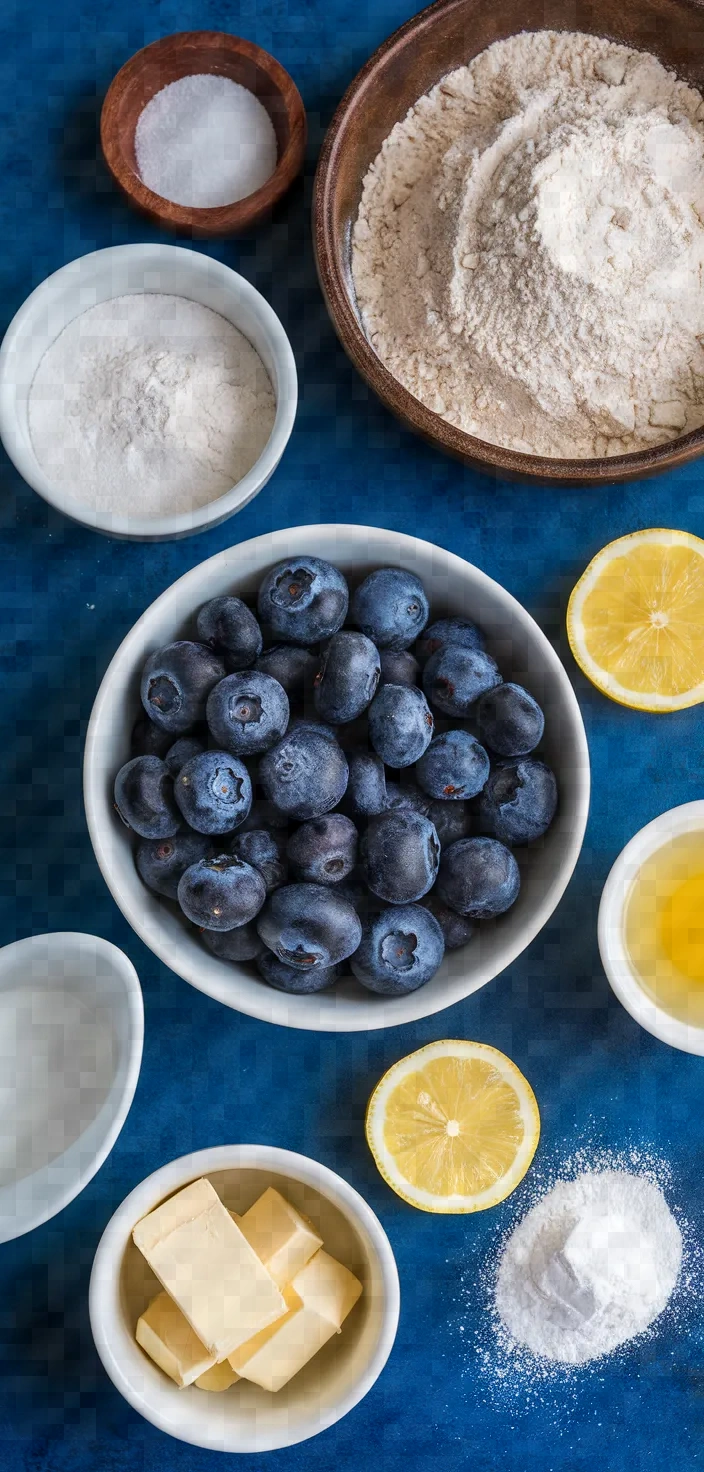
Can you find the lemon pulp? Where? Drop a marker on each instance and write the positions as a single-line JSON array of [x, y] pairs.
[[664, 927]]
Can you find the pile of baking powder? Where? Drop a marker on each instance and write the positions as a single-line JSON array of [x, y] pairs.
[[529, 250]]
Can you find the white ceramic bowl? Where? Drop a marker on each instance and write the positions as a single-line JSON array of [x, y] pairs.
[[119, 270], [247, 1418], [523, 653], [71, 1030], [622, 974]]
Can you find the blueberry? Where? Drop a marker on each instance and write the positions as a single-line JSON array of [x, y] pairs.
[[221, 893], [301, 724], [400, 856], [408, 797], [478, 877], [264, 814], [399, 951], [162, 861], [454, 767], [451, 820], [456, 929], [309, 925], [181, 752], [398, 667], [293, 666], [176, 682], [244, 943], [347, 678], [324, 850], [509, 720], [291, 978], [214, 792], [366, 789], [390, 607], [303, 600], [247, 713], [228, 626], [148, 739], [144, 798], [305, 775], [455, 677], [400, 725], [448, 631], [265, 851], [519, 801]]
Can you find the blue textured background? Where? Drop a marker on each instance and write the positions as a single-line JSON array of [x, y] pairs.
[[209, 1076]]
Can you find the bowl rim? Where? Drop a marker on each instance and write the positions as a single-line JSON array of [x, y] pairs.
[[620, 972], [338, 294], [213, 220], [103, 1296], [271, 1005], [186, 523], [134, 1007]]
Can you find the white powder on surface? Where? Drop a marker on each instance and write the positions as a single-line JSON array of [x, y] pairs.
[[591, 1266], [529, 248], [204, 141], [149, 404]]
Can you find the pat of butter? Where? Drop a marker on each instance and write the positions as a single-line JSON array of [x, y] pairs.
[[221, 1377], [168, 1339], [280, 1236], [327, 1291], [206, 1263], [257, 1342]]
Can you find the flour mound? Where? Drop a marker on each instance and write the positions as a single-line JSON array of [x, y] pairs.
[[528, 256]]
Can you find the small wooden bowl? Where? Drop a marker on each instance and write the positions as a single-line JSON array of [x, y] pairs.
[[183, 55], [447, 35]]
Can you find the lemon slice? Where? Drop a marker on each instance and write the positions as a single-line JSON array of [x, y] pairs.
[[635, 620], [453, 1127]]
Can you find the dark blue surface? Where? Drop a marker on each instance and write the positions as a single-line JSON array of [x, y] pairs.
[[209, 1076]]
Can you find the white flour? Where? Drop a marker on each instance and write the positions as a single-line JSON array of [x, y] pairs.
[[529, 248], [589, 1267], [149, 404]]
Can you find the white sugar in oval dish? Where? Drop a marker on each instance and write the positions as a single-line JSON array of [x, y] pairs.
[[205, 141]]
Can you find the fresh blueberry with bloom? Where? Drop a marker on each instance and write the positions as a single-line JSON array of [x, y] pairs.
[[451, 820], [292, 665], [454, 767], [479, 877], [309, 925], [366, 789], [183, 749], [265, 850], [305, 774], [214, 792], [221, 892], [347, 677], [399, 667], [148, 739], [144, 798], [247, 713], [244, 943], [161, 861], [519, 801], [229, 626], [455, 677], [456, 929], [400, 725], [448, 631], [509, 720], [390, 607], [408, 797], [400, 950], [291, 978], [303, 600], [400, 856], [324, 850], [176, 682]]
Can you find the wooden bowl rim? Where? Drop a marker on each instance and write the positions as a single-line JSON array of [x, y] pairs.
[[335, 282], [210, 219]]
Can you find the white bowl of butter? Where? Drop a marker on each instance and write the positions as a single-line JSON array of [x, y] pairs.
[[283, 1270]]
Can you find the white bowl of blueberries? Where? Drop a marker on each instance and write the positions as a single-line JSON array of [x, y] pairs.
[[336, 778]]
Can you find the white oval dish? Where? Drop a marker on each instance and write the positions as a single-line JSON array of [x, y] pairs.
[[523, 653], [620, 971], [71, 1009], [246, 1418], [116, 271]]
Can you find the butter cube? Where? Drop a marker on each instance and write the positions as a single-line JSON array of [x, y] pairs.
[[327, 1291], [246, 1351], [221, 1377], [169, 1340], [205, 1262], [280, 1236]]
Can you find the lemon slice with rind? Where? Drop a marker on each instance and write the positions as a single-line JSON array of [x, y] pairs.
[[453, 1127], [635, 620]]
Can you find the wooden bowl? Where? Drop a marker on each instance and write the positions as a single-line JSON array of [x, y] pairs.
[[447, 35], [183, 55]]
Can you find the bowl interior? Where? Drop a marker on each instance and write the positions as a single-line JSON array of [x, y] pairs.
[[523, 654]]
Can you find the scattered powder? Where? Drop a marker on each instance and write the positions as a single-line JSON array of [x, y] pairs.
[[149, 404], [204, 141], [528, 252]]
